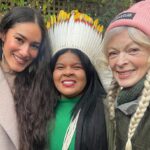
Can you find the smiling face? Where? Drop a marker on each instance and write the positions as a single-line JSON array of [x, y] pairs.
[[69, 76], [21, 45], [127, 59]]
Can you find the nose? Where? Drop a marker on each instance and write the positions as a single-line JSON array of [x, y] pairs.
[[68, 71], [25, 50], [122, 59]]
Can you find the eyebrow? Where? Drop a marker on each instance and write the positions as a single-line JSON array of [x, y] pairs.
[[34, 42], [131, 44], [127, 45], [61, 63], [21, 35]]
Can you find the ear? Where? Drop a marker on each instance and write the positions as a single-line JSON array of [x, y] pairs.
[[2, 36]]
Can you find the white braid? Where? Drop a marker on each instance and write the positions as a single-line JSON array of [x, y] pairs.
[[111, 96], [142, 106]]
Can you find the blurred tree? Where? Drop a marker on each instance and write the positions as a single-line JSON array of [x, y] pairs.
[[108, 9]]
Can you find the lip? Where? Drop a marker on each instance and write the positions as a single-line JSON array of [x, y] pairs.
[[20, 60], [69, 83], [125, 74]]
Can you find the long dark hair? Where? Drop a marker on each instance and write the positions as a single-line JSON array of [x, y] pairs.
[[91, 127], [33, 101]]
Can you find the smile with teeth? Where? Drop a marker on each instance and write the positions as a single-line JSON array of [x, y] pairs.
[[20, 60], [68, 82], [124, 74]]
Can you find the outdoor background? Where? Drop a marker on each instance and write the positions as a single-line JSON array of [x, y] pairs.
[[104, 10]]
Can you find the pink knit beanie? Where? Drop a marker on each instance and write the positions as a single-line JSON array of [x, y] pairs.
[[137, 16]]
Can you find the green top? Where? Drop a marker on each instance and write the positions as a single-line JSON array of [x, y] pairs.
[[60, 124]]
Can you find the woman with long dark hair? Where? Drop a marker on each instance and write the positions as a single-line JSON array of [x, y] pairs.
[[25, 98], [79, 120]]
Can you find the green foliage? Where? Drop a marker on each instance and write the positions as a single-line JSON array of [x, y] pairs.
[[7, 5], [108, 9]]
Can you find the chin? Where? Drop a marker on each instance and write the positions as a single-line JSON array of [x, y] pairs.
[[126, 85], [18, 69]]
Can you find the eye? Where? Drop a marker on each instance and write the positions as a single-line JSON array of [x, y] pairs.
[[59, 67], [35, 46], [19, 40], [112, 54], [133, 51], [77, 67]]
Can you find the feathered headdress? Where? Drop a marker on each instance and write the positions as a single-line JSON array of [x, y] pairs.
[[80, 31], [75, 30]]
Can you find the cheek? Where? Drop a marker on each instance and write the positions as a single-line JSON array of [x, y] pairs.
[[142, 63], [34, 53], [10, 45], [83, 79], [144, 67], [111, 63], [56, 76]]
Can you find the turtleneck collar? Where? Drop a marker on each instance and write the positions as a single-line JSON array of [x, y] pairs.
[[70, 100]]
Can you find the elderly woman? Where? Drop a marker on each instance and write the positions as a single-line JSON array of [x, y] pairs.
[[126, 46]]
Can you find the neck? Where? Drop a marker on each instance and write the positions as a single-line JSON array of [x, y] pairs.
[[5, 65]]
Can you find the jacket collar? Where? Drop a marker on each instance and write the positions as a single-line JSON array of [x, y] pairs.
[[8, 118]]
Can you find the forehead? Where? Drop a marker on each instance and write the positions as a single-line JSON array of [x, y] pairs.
[[24, 24], [119, 38], [27, 29], [68, 57]]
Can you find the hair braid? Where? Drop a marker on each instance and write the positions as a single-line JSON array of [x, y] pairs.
[[111, 96], [142, 106]]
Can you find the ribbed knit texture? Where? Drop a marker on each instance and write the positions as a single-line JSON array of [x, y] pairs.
[[132, 93], [61, 122], [136, 16]]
